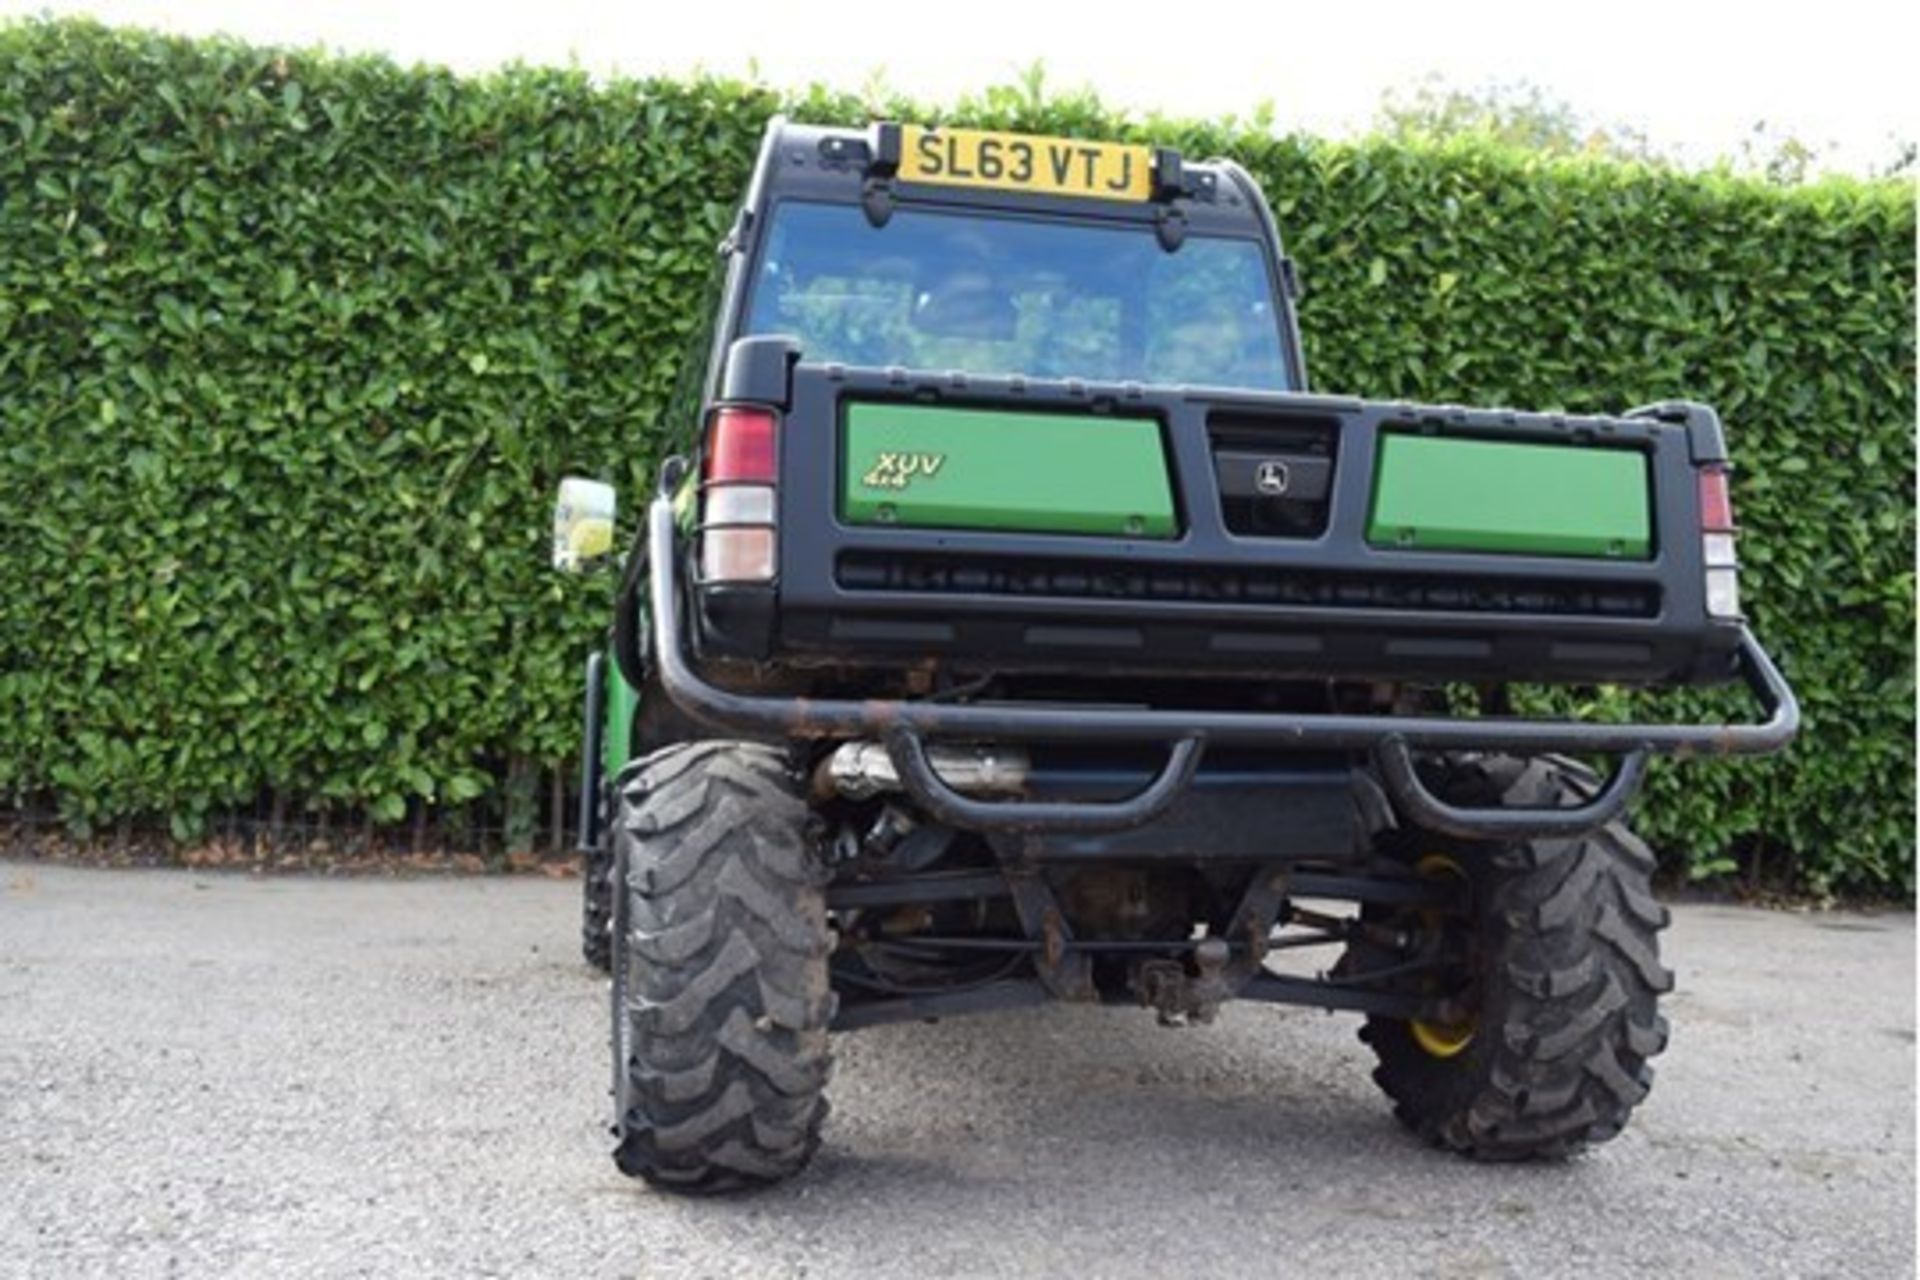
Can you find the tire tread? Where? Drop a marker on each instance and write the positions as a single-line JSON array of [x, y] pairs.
[[1571, 980], [726, 942]]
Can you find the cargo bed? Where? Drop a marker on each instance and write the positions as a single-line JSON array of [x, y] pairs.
[[1291, 535]]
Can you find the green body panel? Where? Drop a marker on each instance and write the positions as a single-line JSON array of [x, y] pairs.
[[616, 738], [933, 467], [1444, 494]]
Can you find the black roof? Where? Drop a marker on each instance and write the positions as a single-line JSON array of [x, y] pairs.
[[843, 165]]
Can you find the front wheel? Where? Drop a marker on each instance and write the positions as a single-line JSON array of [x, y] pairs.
[[721, 1000], [596, 907], [1551, 982]]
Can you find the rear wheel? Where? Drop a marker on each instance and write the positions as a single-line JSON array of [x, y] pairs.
[[720, 995], [1551, 983]]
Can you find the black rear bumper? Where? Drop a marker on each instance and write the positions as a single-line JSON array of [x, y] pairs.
[[903, 724]]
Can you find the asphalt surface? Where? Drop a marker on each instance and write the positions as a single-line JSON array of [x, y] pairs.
[[204, 1074]]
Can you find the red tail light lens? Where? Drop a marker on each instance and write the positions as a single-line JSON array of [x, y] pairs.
[[1717, 547], [1716, 503], [737, 543], [740, 446]]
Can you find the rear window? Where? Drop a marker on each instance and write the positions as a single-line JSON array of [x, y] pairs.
[[998, 295]]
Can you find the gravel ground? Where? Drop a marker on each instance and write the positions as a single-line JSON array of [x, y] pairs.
[[204, 1074]]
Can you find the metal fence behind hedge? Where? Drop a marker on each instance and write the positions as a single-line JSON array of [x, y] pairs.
[[530, 817]]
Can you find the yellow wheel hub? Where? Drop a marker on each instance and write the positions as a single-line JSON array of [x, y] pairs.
[[1441, 1040]]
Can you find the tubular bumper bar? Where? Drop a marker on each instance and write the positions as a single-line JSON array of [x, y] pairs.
[[1392, 738]]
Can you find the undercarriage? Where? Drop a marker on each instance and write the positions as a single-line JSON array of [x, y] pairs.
[[1172, 939], [1178, 915]]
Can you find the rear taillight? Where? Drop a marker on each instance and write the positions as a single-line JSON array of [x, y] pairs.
[[1716, 501], [740, 445], [739, 506], [1717, 544]]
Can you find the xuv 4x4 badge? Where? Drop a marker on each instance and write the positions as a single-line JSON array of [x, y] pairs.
[[897, 470]]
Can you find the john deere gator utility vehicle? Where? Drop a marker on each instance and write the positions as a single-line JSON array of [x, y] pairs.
[[1012, 624]]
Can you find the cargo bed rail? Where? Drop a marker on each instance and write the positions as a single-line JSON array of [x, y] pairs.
[[1393, 739]]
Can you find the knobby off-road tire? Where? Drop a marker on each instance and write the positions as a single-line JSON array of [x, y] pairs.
[[657, 723], [721, 997], [596, 906], [1562, 940]]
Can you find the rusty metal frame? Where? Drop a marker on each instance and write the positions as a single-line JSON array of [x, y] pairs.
[[799, 717], [1062, 964], [1393, 738]]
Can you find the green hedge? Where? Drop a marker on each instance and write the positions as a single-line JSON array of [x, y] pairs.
[[293, 348]]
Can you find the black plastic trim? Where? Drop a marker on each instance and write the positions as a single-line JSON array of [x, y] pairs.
[[1220, 623], [1706, 442], [759, 370], [1289, 276]]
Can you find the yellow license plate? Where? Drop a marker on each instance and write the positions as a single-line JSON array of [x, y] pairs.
[[1016, 162]]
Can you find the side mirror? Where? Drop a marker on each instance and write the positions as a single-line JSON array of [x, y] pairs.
[[582, 524]]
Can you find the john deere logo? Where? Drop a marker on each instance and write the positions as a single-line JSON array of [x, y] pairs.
[[1272, 477], [898, 470]]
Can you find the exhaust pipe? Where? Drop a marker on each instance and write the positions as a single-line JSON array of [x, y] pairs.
[[862, 769]]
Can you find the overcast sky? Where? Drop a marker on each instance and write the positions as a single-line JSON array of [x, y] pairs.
[[1695, 77]]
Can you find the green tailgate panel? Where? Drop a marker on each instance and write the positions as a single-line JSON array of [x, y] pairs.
[[932, 467], [1440, 494]]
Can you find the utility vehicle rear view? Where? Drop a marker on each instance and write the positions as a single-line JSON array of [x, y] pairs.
[[1011, 624]]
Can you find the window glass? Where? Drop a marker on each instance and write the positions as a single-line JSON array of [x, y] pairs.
[[997, 295]]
